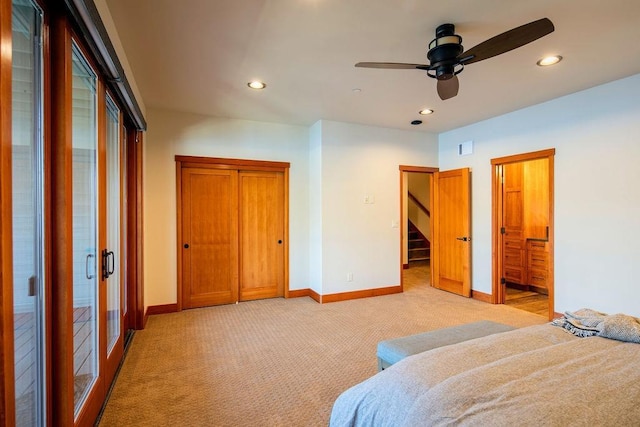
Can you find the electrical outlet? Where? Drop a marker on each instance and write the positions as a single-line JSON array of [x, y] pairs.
[[349, 277]]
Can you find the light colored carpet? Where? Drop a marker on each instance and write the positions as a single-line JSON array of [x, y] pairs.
[[273, 362]]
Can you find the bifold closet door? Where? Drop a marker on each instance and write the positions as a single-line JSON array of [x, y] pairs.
[[209, 237]]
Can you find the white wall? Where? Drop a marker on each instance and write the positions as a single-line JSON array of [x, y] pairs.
[[358, 237], [315, 208], [419, 185], [173, 133], [333, 166], [597, 205]]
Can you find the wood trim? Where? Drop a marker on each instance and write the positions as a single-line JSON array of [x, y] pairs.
[[299, 293], [7, 383], [524, 156], [498, 293], [498, 289], [427, 169], [550, 243], [161, 309], [365, 293], [222, 163], [61, 222], [138, 150], [481, 296], [179, 238], [135, 244], [286, 232]]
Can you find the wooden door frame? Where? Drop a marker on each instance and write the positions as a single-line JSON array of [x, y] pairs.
[[403, 220], [7, 383], [235, 164], [498, 294], [135, 237]]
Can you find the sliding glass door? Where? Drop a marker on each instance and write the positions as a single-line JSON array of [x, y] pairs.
[[113, 273], [28, 214], [86, 258], [63, 195]]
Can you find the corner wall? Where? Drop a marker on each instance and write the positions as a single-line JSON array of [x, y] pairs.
[[360, 241]]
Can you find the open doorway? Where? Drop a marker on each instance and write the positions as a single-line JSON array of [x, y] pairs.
[[416, 189], [523, 231]]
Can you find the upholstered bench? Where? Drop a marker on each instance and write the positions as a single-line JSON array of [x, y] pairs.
[[394, 350]]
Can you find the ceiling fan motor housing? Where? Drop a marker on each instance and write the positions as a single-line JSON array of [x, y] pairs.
[[443, 52]]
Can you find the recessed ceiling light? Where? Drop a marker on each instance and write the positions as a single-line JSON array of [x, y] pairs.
[[425, 112], [416, 122], [549, 60], [356, 90], [256, 85]]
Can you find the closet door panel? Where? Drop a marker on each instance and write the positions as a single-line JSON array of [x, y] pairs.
[[210, 238], [261, 235]]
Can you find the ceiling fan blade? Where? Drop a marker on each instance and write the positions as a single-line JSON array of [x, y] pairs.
[[392, 65], [448, 88], [507, 41]]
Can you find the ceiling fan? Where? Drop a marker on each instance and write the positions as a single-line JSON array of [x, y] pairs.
[[447, 58]]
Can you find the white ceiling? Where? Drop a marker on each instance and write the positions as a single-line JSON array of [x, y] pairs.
[[198, 55]]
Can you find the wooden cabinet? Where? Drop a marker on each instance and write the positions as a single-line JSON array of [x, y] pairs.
[[514, 258], [525, 221], [537, 264]]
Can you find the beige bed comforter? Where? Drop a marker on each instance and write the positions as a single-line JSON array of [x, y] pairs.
[[537, 376]]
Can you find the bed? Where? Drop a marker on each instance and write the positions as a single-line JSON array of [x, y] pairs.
[[539, 375]]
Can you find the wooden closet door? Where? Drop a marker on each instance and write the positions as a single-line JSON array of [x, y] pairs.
[[209, 237], [261, 235]]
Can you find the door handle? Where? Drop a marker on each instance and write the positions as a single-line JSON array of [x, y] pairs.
[[108, 267], [105, 268], [111, 255], [86, 267], [464, 239]]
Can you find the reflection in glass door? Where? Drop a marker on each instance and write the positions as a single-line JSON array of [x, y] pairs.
[[28, 207], [112, 257], [85, 232]]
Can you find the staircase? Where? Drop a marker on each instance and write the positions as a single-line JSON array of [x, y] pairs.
[[419, 246]]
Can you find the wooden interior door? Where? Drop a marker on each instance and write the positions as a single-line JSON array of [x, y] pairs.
[[209, 237], [513, 242], [261, 235], [451, 238]]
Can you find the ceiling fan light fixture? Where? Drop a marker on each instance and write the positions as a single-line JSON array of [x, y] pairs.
[[257, 85], [425, 112], [549, 60]]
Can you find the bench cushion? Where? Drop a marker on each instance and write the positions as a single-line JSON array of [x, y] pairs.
[[394, 350]]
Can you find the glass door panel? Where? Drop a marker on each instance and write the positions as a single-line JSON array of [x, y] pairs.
[[113, 254], [85, 232], [28, 207]]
